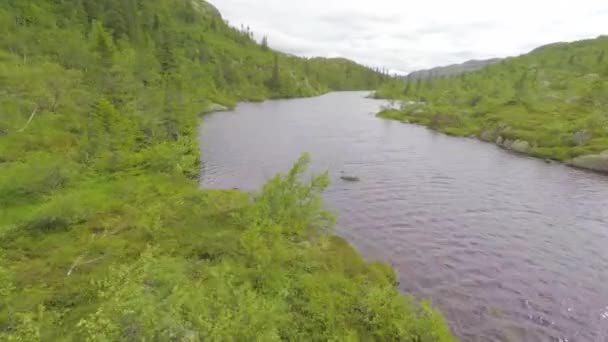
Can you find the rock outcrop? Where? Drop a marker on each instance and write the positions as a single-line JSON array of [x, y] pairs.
[[595, 162], [521, 146], [581, 137]]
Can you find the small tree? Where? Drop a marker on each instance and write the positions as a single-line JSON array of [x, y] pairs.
[[274, 83], [408, 88], [265, 43]]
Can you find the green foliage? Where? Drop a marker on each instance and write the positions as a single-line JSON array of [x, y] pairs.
[[554, 98], [104, 234]]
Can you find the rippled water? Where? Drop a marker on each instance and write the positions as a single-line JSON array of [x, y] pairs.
[[508, 247]]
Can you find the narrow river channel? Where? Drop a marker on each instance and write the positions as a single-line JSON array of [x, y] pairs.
[[508, 247]]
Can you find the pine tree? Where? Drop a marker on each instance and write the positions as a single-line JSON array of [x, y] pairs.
[[275, 80]]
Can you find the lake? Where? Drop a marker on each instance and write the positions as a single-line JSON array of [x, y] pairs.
[[508, 247]]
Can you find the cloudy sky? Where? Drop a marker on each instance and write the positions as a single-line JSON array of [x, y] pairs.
[[404, 35]]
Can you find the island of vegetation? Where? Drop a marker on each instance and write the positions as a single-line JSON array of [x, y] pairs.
[[551, 103], [104, 232]]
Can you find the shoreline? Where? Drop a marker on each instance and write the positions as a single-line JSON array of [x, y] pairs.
[[596, 163]]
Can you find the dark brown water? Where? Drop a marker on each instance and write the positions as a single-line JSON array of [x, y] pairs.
[[508, 247]]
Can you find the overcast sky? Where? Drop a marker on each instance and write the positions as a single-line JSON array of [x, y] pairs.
[[404, 35]]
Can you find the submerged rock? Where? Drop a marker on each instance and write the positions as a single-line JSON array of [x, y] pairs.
[[595, 162], [349, 178]]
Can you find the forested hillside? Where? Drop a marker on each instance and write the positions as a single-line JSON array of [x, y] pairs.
[[450, 70], [550, 103], [104, 234]]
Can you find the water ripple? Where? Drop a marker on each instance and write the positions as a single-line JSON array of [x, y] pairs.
[[508, 247]]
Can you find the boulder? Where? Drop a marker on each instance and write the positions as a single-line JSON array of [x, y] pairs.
[[596, 162], [499, 140], [492, 134], [581, 137], [520, 146], [487, 135], [507, 144]]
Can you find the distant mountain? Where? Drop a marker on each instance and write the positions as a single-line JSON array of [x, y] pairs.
[[451, 70], [550, 103]]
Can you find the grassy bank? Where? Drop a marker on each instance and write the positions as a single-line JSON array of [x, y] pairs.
[[104, 233], [551, 103]]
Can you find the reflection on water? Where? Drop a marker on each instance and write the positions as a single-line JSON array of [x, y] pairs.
[[508, 247]]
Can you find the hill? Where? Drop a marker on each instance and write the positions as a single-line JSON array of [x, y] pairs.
[[104, 232], [551, 103], [451, 70]]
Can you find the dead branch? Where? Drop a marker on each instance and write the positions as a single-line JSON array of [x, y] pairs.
[[29, 120]]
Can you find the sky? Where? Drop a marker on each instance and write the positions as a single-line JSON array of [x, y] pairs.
[[405, 36]]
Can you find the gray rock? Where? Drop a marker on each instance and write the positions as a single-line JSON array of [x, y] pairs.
[[418, 112], [488, 135], [499, 140], [521, 146], [214, 107], [581, 137], [508, 143], [591, 77], [574, 99], [349, 178], [596, 162]]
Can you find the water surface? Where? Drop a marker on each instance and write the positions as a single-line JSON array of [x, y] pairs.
[[508, 247]]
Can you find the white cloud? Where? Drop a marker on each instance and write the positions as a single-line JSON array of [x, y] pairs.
[[409, 35]]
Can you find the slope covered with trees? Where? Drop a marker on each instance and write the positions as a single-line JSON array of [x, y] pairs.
[[550, 103], [104, 234], [450, 70]]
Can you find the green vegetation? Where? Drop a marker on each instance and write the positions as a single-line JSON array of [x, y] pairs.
[[104, 234], [550, 103]]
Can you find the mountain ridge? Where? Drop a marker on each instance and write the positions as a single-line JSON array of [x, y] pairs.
[[451, 69]]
